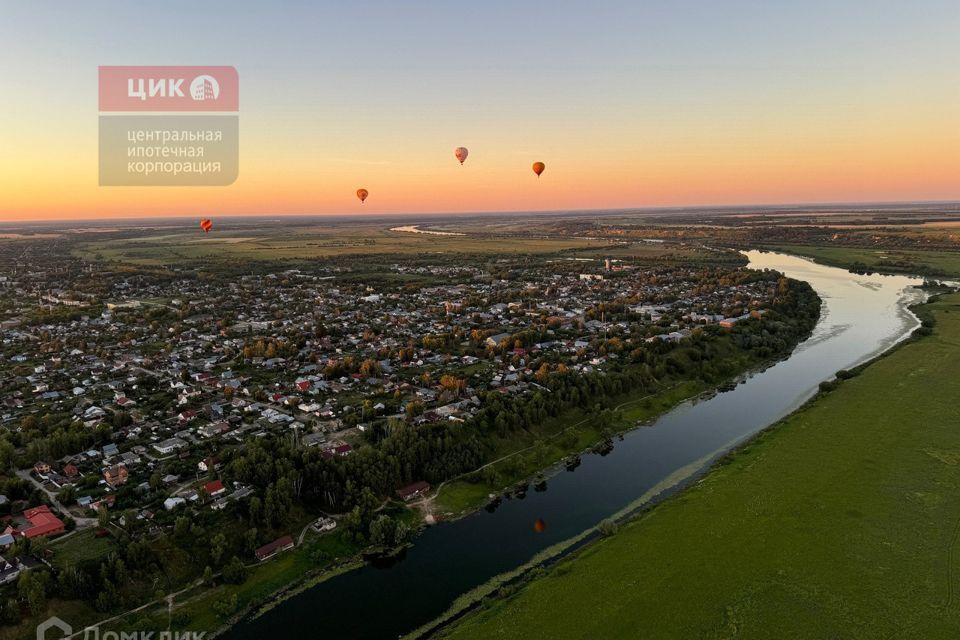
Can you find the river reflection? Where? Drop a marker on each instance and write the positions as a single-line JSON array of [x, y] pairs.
[[862, 316]]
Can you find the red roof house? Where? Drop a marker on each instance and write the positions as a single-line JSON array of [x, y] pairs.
[[42, 522], [275, 547], [413, 490], [214, 488]]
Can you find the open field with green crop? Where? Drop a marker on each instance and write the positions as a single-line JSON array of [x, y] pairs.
[[933, 263], [306, 242], [843, 521]]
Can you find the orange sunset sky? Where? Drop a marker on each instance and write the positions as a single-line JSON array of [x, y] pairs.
[[629, 106]]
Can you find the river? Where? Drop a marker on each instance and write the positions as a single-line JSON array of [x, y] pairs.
[[413, 228], [862, 316]]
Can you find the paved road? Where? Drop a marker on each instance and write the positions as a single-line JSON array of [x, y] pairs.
[[82, 523]]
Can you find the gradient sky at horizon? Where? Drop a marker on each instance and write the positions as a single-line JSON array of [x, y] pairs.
[[630, 104]]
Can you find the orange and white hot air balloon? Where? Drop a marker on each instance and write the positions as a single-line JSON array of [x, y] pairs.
[[538, 168], [362, 194], [461, 153], [206, 225]]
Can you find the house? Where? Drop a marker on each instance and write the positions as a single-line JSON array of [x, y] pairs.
[[42, 522], [9, 570], [208, 464], [324, 524], [495, 340], [313, 439], [213, 429], [42, 468], [173, 502], [413, 490], [275, 547], [106, 502], [116, 475], [169, 446], [215, 488]]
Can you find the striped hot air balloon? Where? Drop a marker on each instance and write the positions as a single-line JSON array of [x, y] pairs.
[[206, 225]]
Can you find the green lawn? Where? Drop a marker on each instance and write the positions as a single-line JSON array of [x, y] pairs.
[[82, 547], [841, 522]]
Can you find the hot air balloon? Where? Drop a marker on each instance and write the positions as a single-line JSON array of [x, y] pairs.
[[539, 526], [538, 168], [206, 225], [362, 194], [461, 153]]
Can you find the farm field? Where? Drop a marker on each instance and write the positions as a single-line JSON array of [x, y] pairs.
[[306, 242], [933, 263]]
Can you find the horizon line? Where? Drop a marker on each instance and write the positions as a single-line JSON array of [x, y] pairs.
[[501, 212]]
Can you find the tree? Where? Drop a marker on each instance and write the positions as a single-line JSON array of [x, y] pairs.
[[543, 373], [250, 539], [382, 531], [11, 612], [217, 545], [67, 495], [31, 590], [7, 451], [353, 524], [225, 606], [181, 529], [235, 572]]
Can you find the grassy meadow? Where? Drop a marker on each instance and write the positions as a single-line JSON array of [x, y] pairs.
[[910, 262], [282, 242]]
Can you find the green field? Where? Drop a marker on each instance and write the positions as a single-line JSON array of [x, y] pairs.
[[82, 546], [306, 242], [841, 522], [909, 262]]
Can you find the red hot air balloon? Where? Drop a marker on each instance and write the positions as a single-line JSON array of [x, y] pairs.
[[461, 153], [538, 168], [206, 225], [539, 526], [362, 194]]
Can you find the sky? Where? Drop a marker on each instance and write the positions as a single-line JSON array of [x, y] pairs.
[[630, 103]]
